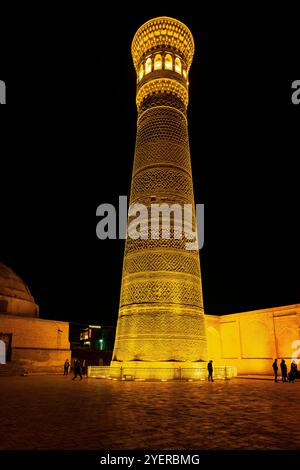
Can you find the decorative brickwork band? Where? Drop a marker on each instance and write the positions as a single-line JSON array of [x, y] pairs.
[[161, 314]]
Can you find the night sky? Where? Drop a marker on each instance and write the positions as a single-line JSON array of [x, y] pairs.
[[67, 145]]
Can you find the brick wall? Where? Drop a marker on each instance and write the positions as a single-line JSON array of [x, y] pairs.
[[251, 340], [37, 344]]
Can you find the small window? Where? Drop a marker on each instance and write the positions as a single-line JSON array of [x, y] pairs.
[[158, 62], [178, 65], [148, 66], [184, 73], [168, 62], [141, 72]]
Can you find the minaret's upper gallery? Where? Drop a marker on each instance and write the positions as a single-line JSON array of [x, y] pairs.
[[162, 51]]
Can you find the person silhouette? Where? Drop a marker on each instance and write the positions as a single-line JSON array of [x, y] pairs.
[[66, 367], [293, 372], [210, 371], [275, 369], [77, 369], [283, 368]]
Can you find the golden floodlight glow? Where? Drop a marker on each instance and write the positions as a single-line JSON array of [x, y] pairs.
[[161, 326], [158, 62], [168, 62], [177, 65], [141, 74], [148, 65]]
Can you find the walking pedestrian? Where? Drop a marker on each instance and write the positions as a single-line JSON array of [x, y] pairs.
[[77, 369], [210, 371]]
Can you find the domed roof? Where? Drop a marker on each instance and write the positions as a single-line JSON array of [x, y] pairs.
[[163, 32], [12, 285]]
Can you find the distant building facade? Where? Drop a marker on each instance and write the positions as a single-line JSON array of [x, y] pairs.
[[92, 343], [31, 344], [251, 340]]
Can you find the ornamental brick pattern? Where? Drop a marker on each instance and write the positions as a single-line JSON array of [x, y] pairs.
[[161, 314]]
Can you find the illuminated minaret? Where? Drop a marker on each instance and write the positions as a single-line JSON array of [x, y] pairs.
[[161, 318]]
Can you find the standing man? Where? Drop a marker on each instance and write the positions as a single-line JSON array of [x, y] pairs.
[[275, 369], [66, 367], [210, 371], [77, 369], [283, 368]]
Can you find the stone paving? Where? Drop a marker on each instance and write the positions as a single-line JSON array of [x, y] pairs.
[[54, 412]]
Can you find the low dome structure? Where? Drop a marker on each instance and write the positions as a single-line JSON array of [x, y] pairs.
[[15, 297]]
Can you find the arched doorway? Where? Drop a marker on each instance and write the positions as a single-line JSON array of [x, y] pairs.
[[2, 352]]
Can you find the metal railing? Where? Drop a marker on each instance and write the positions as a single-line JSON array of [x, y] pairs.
[[160, 374]]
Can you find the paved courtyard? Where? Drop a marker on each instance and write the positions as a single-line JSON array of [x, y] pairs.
[[52, 412]]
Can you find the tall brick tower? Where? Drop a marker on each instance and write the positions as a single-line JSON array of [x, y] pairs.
[[161, 319]]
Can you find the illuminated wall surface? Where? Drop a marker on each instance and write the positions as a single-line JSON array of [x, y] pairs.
[[38, 345], [161, 309], [161, 324], [251, 340], [31, 343]]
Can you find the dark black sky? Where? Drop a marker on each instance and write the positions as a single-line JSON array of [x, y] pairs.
[[67, 143]]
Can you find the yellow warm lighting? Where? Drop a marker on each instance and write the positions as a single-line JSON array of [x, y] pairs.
[[168, 62], [161, 329], [141, 73], [148, 65], [178, 65], [162, 85], [163, 32], [158, 62], [184, 73], [161, 371], [251, 341]]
